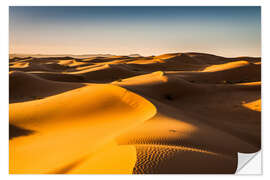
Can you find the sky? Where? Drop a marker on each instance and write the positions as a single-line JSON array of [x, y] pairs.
[[226, 31]]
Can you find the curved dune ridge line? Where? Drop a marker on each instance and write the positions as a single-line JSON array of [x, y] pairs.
[[73, 121], [228, 73], [165, 86], [180, 137], [201, 98], [106, 73], [173, 113], [191, 125], [71, 63]]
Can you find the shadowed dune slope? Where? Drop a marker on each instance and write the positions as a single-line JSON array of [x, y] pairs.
[[228, 73], [184, 139], [165, 87], [106, 73], [196, 116], [176, 159], [61, 77], [173, 64], [24, 86], [34, 66], [204, 102]]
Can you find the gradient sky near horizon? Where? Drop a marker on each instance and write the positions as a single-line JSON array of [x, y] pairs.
[[226, 31]]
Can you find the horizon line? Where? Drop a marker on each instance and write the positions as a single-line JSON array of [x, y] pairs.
[[70, 54]]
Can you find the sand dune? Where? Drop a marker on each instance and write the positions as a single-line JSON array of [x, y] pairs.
[[203, 99], [193, 116], [172, 64], [62, 77], [39, 67], [72, 121], [25, 86], [172, 113], [176, 159], [72, 63], [228, 73], [106, 73]]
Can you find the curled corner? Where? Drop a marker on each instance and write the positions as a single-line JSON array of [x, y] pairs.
[[249, 163]]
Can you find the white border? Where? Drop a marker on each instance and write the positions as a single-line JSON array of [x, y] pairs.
[[4, 76]]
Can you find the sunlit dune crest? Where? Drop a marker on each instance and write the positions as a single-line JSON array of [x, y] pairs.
[[172, 113], [226, 66]]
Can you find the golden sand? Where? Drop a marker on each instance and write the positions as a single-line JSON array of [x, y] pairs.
[[172, 113]]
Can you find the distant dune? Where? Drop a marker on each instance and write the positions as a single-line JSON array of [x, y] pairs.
[[106, 114]]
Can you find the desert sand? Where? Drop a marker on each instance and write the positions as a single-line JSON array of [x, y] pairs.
[[173, 113]]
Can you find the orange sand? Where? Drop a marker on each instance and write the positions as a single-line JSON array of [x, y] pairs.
[[173, 113]]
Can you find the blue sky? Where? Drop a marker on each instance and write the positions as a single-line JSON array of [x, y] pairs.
[[226, 31]]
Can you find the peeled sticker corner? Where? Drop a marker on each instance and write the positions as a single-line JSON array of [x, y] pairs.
[[249, 163]]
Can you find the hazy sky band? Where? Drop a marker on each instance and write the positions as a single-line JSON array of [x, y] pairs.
[[227, 31]]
